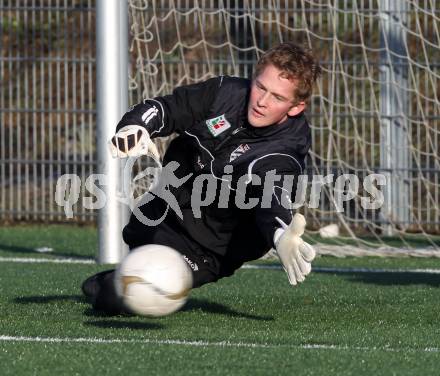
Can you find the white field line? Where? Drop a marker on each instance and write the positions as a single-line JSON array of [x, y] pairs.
[[350, 270], [318, 269], [35, 260], [94, 340]]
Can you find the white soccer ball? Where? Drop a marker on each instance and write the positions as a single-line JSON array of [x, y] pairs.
[[153, 280]]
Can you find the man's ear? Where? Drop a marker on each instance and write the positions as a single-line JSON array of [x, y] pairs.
[[296, 109]]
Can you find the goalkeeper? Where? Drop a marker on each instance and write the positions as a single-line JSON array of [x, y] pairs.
[[231, 126]]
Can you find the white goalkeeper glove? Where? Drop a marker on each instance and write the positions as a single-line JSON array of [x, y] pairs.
[[294, 253], [132, 141]]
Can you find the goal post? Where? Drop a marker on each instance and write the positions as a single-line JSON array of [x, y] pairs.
[[394, 151], [112, 102]]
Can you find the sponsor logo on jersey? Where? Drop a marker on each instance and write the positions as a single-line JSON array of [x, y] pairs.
[[191, 264], [242, 148], [218, 125]]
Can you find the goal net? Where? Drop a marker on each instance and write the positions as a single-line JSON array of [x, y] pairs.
[[374, 112]]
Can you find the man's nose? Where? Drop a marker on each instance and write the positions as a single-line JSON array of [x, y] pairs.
[[262, 101]]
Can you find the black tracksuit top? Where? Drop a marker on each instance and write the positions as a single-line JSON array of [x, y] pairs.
[[211, 121]]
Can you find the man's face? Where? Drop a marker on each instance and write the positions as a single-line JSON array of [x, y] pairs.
[[271, 99]]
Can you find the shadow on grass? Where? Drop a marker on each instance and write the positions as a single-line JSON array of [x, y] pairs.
[[124, 324], [16, 249], [207, 306], [108, 323], [191, 305], [395, 278], [49, 299]]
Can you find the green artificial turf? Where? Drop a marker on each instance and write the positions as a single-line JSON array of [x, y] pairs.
[[338, 322]]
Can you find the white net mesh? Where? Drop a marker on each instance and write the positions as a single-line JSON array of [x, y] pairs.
[[375, 111]]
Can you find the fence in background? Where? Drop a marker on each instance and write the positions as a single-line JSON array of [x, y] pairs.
[[47, 104]]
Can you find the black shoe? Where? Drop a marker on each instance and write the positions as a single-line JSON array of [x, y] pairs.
[[92, 285], [101, 293]]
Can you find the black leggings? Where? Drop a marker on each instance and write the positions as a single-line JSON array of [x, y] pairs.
[[205, 266]]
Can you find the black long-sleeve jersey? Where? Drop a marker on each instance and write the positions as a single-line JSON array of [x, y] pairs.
[[215, 138]]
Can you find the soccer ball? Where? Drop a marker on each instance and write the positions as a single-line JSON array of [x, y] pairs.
[[153, 280]]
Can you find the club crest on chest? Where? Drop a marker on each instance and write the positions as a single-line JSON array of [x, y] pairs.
[[218, 125]]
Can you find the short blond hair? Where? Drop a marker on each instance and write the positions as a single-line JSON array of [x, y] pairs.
[[296, 63]]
